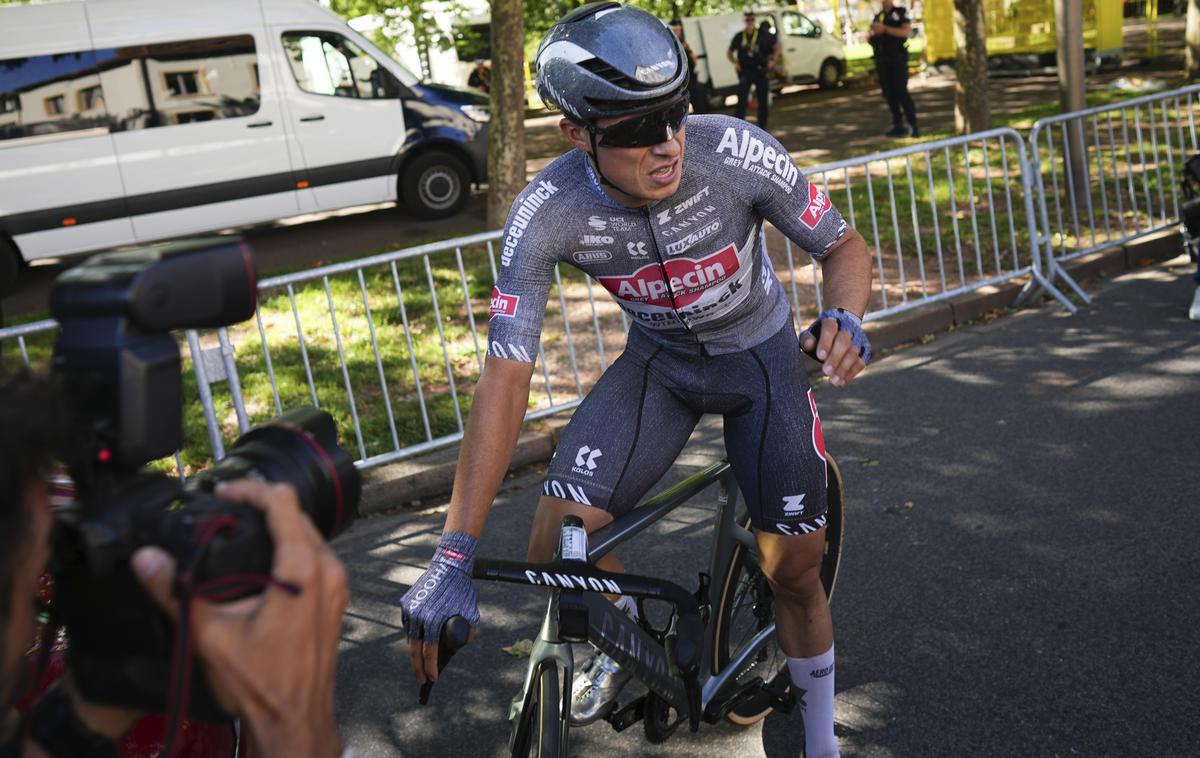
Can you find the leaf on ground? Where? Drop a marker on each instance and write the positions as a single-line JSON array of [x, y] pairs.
[[926, 339], [870, 462], [519, 649], [908, 505]]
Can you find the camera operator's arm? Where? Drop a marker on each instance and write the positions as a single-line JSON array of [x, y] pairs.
[[445, 589], [271, 659]]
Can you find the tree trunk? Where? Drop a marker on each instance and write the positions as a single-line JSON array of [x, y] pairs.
[[972, 112], [1192, 35], [506, 132]]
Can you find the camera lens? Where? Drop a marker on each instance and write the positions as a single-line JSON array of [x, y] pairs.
[[300, 448]]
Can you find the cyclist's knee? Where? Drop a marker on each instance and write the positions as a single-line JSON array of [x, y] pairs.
[[547, 524], [793, 565]]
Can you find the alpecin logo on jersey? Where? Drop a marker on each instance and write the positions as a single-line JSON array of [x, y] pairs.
[[752, 154], [818, 205], [689, 279], [503, 305]]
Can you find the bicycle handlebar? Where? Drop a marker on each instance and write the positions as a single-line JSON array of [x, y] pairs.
[[576, 575], [455, 633]]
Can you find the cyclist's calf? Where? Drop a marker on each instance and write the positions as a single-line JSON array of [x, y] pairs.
[[793, 566]]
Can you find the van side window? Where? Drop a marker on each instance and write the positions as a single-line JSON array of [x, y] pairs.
[[797, 25], [180, 82], [326, 63], [139, 87], [49, 94]]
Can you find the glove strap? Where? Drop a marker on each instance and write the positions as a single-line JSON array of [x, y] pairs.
[[457, 549]]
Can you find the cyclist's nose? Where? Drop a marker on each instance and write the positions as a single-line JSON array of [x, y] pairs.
[[669, 149]]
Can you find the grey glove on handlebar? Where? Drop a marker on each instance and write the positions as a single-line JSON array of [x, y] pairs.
[[847, 322], [444, 590]]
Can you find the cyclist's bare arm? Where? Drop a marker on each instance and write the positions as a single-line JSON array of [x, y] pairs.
[[846, 283], [501, 399]]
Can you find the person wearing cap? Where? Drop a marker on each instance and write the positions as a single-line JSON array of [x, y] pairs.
[[889, 39], [753, 52], [696, 91], [676, 238]]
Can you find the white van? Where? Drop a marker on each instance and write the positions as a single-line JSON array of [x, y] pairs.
[[125, 121], [808, 54]]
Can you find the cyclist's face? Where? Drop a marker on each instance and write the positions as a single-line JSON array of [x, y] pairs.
[[644, 175]]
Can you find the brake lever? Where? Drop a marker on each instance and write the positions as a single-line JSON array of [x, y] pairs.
[[815, 331], [455, 633]]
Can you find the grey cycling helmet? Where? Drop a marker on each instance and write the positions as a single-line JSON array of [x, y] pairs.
[[608, 59]]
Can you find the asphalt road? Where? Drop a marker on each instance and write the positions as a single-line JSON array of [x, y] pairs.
[[1020, 564]]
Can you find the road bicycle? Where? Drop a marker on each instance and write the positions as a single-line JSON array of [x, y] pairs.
[[708, 661]]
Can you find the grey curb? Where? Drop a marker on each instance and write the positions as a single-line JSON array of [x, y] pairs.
[[412, 483]]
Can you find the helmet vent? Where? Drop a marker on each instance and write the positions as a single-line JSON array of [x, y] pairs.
[[610, 74]]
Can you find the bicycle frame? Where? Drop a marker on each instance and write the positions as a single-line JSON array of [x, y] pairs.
[[580, 584]]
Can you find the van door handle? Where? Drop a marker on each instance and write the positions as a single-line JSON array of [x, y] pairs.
[[313, 118], [258, 124]]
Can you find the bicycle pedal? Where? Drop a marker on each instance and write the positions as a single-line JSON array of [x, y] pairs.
[[623, 717], [781, 696]]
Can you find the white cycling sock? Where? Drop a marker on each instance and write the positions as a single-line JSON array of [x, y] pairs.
[[812, 681]]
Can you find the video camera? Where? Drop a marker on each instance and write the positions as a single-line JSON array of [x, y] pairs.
[[118, 369]]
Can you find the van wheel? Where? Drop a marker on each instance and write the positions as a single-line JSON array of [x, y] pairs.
[[830, 74], [10, 266], [435, 185]]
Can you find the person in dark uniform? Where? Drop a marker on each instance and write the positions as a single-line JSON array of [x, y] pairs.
[[481, 77], [889, 37], [753, 52], [696, 93]]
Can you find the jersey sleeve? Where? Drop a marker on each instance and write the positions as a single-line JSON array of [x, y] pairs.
[[523, 282], [797, 207]]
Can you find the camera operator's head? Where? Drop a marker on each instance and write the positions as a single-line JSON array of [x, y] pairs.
[[28, 425]]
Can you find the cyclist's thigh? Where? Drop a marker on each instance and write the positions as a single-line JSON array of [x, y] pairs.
[[775, 443], [622, 438]]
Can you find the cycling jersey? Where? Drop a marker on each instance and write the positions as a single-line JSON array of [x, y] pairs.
[[689, 269]]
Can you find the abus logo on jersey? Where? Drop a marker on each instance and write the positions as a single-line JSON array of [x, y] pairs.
[[503, 305], [689, 279], [818, 205], [591, 256], [522, 216], [754, 155]]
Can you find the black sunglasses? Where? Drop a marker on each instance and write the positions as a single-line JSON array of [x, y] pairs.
[[648, 129]]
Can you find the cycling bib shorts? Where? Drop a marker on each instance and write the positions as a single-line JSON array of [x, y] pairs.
[[635, 421]]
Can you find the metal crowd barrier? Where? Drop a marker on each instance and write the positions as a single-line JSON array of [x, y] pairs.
[[1110, 174], [392, 345]]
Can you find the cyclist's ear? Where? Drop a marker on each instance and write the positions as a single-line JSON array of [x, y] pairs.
[[575, 134]]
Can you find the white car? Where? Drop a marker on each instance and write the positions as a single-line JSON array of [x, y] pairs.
[[808, 53]]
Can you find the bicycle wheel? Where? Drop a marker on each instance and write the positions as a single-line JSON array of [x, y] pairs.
[[746, 606], [538, 736]]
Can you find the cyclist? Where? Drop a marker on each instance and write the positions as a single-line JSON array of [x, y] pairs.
[[676, 237]]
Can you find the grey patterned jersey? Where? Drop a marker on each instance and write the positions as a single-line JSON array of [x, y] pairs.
[[691, 268]]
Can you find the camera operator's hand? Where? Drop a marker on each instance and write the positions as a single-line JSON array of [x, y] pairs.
[[444, 590], [271, 658]]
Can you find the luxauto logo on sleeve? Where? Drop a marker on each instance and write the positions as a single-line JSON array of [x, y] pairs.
[[752, 154], [523, 215]]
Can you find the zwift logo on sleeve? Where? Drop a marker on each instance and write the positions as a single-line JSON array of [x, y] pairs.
[[754, 155], [522, 216]]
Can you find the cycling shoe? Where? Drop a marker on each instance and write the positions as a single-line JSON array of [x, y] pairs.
[[594, 692]]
